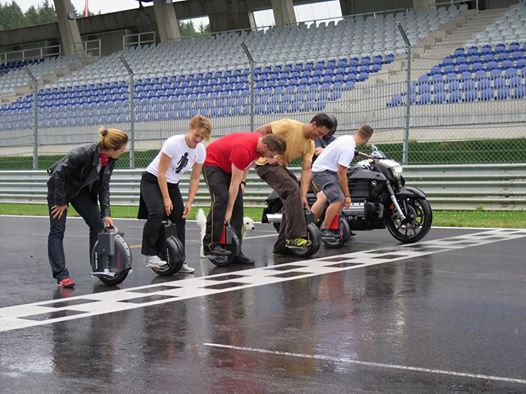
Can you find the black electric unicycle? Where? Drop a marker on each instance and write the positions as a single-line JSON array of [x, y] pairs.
[[111, 257], [229, 241], [170, 249]]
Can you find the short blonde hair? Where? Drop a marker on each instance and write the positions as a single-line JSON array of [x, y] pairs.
[[202, 123], [112, 139]]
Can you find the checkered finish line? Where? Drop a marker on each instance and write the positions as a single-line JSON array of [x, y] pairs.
[[47, 312]]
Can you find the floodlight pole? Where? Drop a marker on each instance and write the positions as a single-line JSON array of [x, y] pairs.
[[131, 110], [251, 84], [35, 116], [405, 149]]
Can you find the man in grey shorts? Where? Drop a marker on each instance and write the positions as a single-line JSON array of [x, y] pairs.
[[329, 173]]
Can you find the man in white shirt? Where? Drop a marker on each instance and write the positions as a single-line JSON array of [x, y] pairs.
[[329, 173]]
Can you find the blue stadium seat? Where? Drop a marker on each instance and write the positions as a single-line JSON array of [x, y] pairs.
[[439, 98], [487, 94], [454, 97], [470, 95], [503, 94], [519, 92]]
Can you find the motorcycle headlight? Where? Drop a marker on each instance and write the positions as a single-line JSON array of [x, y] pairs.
[[396, 171]]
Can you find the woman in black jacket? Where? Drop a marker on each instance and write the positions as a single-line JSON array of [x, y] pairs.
[[79, 179]]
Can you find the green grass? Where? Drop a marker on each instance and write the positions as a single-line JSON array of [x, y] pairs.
[[478, 218], [450, 152]]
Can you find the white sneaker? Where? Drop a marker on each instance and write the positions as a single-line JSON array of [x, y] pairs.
[[186, 269], [154, 262]]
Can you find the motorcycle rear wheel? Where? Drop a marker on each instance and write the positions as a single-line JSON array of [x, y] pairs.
[[419, 217]]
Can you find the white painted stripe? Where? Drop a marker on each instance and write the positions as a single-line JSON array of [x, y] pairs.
[[261, 236], [370, 364]]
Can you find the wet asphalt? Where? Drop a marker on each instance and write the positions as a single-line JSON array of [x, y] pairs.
[[451, 321]]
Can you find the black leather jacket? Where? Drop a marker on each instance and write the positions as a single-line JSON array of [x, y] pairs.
[[76, 170]]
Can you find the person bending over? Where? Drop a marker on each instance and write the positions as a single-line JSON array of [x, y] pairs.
[[81, 178], [300, 143], [160, 194], [227, 164]]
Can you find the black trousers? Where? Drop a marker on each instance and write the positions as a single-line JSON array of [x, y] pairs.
[[152, 200], [285, 183], [87, 207], [218, 182]]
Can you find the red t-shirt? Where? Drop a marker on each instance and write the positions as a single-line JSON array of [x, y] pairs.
[[238, 149]]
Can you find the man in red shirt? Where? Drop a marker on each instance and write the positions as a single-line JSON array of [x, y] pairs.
[[228, 160]]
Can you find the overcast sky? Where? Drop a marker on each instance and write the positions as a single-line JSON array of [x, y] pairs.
[[325, 10]]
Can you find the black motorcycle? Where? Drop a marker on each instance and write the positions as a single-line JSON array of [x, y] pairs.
[[379, 199]]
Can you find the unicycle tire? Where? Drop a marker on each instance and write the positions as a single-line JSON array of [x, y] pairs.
[[313, 234], [173, 254], [122, 265]]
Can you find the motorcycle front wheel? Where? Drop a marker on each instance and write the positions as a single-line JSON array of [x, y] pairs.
[[417, 224]]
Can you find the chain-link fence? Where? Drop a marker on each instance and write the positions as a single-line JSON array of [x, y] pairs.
[[465, 111]]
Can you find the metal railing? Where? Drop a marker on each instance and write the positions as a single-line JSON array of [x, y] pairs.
[[448, 187]]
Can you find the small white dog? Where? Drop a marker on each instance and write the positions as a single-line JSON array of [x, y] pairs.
[[248, 224]]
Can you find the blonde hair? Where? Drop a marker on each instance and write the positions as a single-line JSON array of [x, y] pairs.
[[112, 139], [202, 123]]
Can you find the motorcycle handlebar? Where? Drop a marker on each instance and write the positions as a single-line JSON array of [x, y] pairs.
[[364, 155]]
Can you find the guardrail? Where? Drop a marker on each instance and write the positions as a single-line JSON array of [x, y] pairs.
[[450, 187]]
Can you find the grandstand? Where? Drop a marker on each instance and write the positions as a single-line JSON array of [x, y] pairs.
[[353, 67]]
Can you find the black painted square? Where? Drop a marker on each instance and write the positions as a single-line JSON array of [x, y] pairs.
[[428, 249], [142, 300], [390, 256], [63, 303], [224, 285], [53, 315], [383, 251], [226, 277], [423, 246], [155, 289], [343, 265], [291, 274], [284, 267], [337, 259]]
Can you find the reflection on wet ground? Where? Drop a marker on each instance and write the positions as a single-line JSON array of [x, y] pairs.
[[374, 316]]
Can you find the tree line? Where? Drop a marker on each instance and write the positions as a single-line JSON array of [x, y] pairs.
[[12, 17]]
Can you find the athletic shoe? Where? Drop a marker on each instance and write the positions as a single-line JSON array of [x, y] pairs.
[[66, 282], [186, 269], [154, 262], [297, 243]]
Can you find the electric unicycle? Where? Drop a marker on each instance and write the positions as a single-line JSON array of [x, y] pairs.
[[170, 249], [111, 257], [229, 241], [341, 226]]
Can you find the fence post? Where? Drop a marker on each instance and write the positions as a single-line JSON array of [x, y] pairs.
[[131, 109], [251, 85], [405, 150], [35, 116]]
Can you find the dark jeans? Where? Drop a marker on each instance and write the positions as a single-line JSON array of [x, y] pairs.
[[218, 183], [153, 199], [284, 183], [88, 208]]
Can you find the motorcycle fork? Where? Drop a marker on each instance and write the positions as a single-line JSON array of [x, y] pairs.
[[395, 202]]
